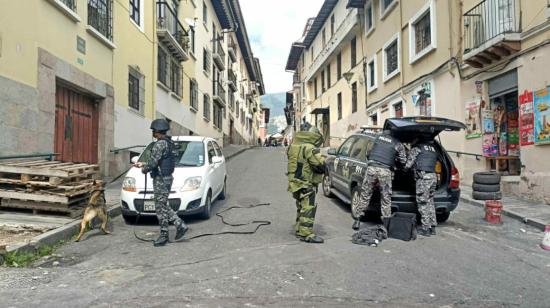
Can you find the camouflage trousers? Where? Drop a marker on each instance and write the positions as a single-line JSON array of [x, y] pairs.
[[425, 191], [305, 211], [165, 213], [383, 177]]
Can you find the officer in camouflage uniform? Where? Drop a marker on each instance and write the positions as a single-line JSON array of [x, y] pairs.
[[161, 164], [306, 167], [423, 158], [385, 151]]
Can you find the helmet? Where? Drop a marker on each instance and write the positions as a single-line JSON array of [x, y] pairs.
[[314, 129], [160, 125]]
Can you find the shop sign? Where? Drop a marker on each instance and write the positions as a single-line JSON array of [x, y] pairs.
[[527, 118], [473, 119], [542, 116]]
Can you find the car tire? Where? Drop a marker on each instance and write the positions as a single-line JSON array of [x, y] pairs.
[[327, 184], [129, 220], [487, 178], [223, 193], [478, 195], [206, 211], [486, 187], [355, 196], [442, 217]]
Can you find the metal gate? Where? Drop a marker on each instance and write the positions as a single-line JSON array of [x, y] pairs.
[[76, 126]]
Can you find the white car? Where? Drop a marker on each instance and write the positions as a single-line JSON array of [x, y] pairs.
[[200, 176]]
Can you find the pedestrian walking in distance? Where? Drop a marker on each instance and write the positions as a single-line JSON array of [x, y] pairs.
[[306, 167], [382, 158], [161, 165], [422, 159]]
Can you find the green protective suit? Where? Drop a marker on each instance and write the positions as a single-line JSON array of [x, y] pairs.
[[306, 167]]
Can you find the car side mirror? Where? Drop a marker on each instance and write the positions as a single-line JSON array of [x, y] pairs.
[[134, 159], [217, 160], [331, 151]]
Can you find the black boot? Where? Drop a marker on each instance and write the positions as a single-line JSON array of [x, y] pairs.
[[356, 224], [162, 240], [314, 239], [180, 230], [432, 230], [424, 231]]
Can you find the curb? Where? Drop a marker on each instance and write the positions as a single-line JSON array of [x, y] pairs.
[[67, 231], [533, 222]]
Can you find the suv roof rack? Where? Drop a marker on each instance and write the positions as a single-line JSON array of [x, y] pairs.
[[370, 129]]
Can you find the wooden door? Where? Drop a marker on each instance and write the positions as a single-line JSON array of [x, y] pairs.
[[76, 127]]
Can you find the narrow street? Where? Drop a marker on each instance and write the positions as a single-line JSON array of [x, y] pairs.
[[468, 264]]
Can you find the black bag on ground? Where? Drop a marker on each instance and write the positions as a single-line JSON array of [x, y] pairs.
[[402, 226]]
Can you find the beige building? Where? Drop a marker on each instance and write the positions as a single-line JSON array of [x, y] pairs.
[[360, 62], [84, 78]]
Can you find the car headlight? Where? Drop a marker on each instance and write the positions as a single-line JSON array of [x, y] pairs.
[[129, 184], [191, 184]]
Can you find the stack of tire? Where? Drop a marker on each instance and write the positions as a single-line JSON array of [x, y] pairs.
[[486, 186]]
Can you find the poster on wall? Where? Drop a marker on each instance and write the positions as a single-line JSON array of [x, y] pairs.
[[473, 125], [527, 118], [542, 116]]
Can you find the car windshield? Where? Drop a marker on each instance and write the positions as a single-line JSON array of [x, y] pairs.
[[189, 153]]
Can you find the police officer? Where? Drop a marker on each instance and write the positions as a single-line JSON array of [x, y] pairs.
[[423, 158], [161, 165], [306, 167], [385, 151]]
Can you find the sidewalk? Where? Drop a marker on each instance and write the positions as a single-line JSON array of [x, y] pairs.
[[230, 151], [534, 214]]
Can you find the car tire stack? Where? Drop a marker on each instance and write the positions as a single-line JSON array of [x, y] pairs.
[[486, 186]]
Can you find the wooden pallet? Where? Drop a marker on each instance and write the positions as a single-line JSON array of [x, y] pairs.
[[45, 196], [38, 182], [50, 169], [75, 210]]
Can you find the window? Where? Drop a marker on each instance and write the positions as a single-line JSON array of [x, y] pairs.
[[340, 106], [372, 82], [133, 91], [218, 149], [162, 70], [354, 97], [359, 148], [386, 6], [206, 107], [353, 52], [71, 4], [211, 151], [135, 11], [331, 25], [374, 119], [217, 116], [206, 60], [175, 78], [204, 13], [315, 87], [391, 58], [323, 82], [194, 94], [369, 17], [421, 34], [312, 54], [324, 37], [339, 66], [398, 110], [346, 147], [100, 17], [329, 83]]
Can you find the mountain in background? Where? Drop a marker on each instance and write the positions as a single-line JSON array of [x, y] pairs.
[[276, 103]]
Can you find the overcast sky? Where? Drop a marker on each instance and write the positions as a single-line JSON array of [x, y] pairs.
[[272, 26]]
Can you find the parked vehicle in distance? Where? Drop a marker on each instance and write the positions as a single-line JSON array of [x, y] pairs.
[[200, 177], [348, 164]]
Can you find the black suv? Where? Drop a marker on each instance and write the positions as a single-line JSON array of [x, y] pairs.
[[347, 167]]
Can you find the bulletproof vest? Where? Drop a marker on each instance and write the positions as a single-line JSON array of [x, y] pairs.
[[427, 158], [167, 162], [383, 150]]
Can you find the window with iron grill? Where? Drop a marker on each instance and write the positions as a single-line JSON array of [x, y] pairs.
[[175, 78], [100, 17], [398, 110], [194, 94], [354, 97], [206, 107], [392, 61], [422, 33], [133, 91], [206, 60], [162, 70], [372, 75], [70, 4], [135, 13]]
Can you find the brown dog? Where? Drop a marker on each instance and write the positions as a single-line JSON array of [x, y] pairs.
[[96, 207]]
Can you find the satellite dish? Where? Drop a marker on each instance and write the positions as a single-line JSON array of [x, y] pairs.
[[190, 22]]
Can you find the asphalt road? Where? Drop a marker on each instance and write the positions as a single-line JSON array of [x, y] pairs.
[[469, 264]]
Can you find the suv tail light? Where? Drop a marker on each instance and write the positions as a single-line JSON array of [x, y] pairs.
[[455, 178]]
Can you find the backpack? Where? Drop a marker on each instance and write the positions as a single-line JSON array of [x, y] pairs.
[[402, 226]]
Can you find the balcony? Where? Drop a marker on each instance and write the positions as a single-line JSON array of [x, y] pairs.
[[232, 50], [171, 32], [219, 54], [232, 80], [219, 93], [491, 32]]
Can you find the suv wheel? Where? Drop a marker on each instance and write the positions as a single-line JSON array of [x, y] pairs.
[[442, 217], [327, 184], [207, 207], [355, 197]]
